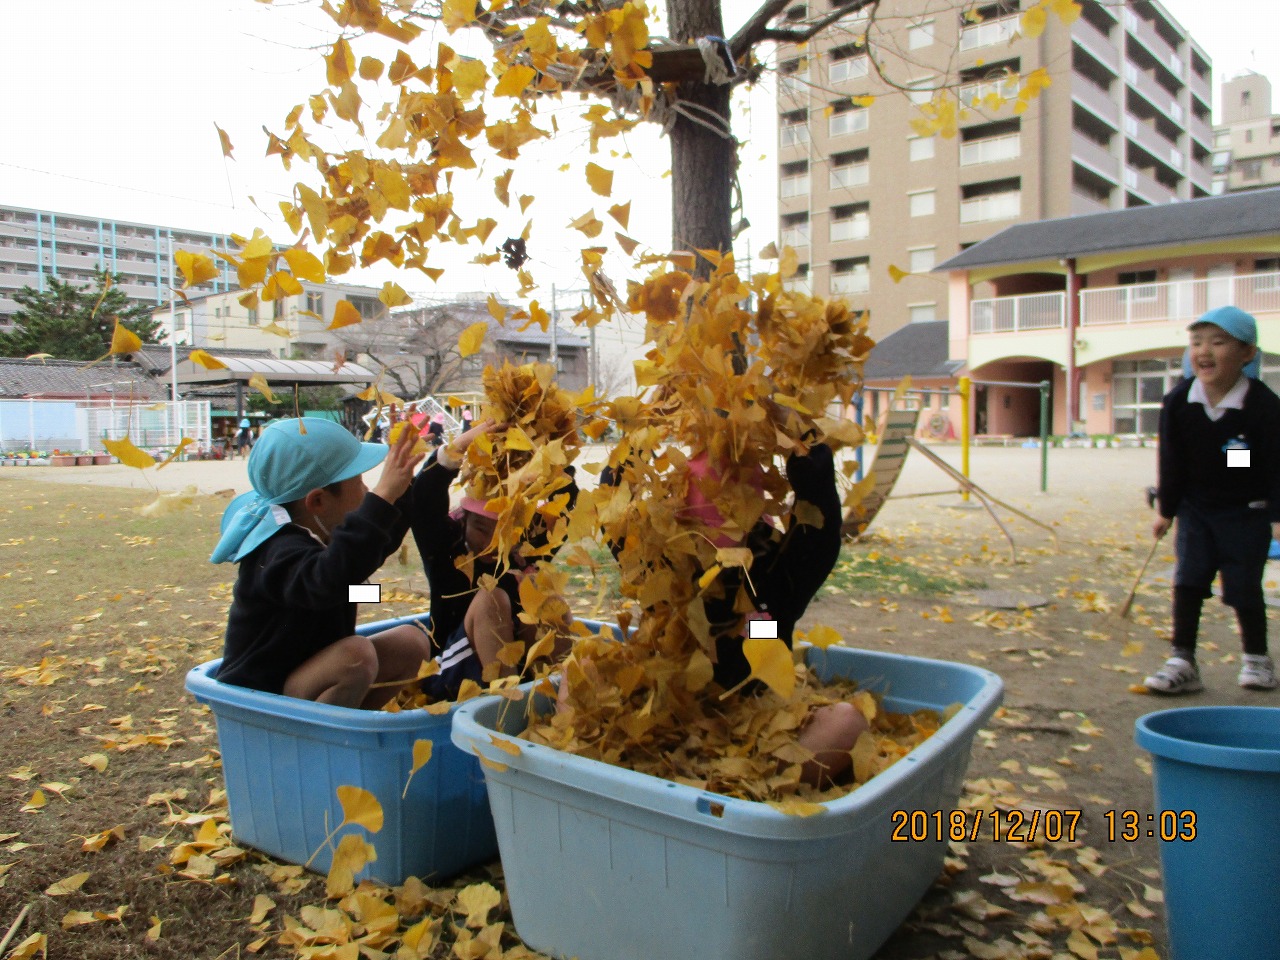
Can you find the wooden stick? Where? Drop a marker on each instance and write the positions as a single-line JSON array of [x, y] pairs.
[[1133, 591], [14, 928]]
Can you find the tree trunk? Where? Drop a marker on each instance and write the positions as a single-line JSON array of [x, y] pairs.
[[703, 151]]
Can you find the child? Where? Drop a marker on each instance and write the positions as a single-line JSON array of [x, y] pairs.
[[1219, 477], [470, 625], [244, 439], [307, 532]]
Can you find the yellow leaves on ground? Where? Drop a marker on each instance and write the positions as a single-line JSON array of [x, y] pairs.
[[360, 807], [353, 853], [124, 340], [771, 663], [67, 885], [128, 454], [196, 267], [471, 339], [477, 901], [344, 315], [206, 360]]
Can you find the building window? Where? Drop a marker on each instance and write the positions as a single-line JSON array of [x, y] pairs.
[[1143, 283], [1137, 388], [847, 119], [253, 316], [847, 63], [851, 276], [850, 169], [1250, 169], [795, 230], [921, 203], [852, 222], [795, 180], [921, 148], [922, 312], [315, 302], [794, 128], [922, 259], [921, 91], [921, 35], [1245, 97], [1248, 136], [799, 281]]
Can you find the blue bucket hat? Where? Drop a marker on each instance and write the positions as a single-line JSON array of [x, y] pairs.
[[1235, 323], [290, 459]]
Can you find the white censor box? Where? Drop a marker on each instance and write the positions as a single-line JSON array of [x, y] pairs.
[[762, 629], [1237, 457], [364, 593]]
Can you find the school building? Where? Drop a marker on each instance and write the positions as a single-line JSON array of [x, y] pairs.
[[1098, 305]]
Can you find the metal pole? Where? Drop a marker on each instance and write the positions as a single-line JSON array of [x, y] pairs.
[[964, 390], [1044, 436], [173, 352], [555, 322]]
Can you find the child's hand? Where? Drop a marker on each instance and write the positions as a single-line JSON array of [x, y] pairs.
[[458, 447], [398, 467], [1162, 525]]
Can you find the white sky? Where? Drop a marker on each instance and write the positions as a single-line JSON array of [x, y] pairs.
[[109, 110]]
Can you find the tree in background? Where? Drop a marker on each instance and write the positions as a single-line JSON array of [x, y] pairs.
[[75, 322]]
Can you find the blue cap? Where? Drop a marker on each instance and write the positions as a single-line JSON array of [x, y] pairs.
[[290, 459], [245, 422], [1235, 323]]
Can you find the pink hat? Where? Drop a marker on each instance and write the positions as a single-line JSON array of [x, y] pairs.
[[476, 505], [700, 508], [438, 418]]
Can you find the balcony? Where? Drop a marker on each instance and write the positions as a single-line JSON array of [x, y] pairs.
[[1180, 301], [1200, 86], [1147, 187], [849, 175], [996, 206], [1034, 311], [988, 33], [859, 281], [1160, 99], [1143, 32], [1100, 47], [1201, 131], [972, 95], [1086, 203], [794, 134], [794, 87], [797, 236], [1096, 100], [850, 228], [1095, 156], [849, 121], [794, 187], [849, 68], [991, 150], [1146, 136]]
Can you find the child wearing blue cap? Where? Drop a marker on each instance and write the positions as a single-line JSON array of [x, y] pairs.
[[307, 532], [1219, 477]]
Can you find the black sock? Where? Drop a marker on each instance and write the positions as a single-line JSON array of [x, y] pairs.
[[1253, 629], [1187, 602]]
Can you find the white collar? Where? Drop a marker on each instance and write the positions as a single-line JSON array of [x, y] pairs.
[[1233, 399]]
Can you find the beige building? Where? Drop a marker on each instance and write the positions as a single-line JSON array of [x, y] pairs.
[[1125, 123], [1246, 144]]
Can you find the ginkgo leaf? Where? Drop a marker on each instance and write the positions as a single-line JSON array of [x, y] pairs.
[[621, 212], [67, 885], [360, 807], [196, 267], [37, 943], [421, 757], [259, 382], [515, 81], [304, 265], [457, 13], [1033, 21], [600, 180], [344, 315], [476, 901], [821, 636], [207, 360], [128, 454], [371, 68], [37, 802], [177, 452], [124, 340], [588, 224], [225, 141], [277, 330], [471, 339], [98, 761], [469, 78], [771, 663], [354, 852], [626, 243], [897, 273], [262, 905], [393, 295]]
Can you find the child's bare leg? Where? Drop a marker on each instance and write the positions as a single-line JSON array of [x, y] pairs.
[[489, 627], [400, 652], [340, 674], [830, 733]]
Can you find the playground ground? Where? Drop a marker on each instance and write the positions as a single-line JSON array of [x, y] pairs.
[[104, 616]]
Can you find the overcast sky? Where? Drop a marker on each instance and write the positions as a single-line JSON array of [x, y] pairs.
[[109, 110]]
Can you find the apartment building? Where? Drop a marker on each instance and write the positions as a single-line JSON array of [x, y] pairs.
[[1246, 143], [37, 244], [1125, 123]]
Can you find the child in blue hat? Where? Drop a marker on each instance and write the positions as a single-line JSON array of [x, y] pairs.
[[1219, 465], [308, 531]]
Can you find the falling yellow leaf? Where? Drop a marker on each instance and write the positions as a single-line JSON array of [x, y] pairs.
[[276, 330], [626, 243], [353, 854], [344, 315], [304, 265], [67, 885], [472, 338], [476, 901], [600, 180], [588, 224], [197, 268], [457, 13], [393, 295], [1033, 21], [177, 451], [897, 273], [207, 360], [421, 757], [360, 807], [621, 212], [771, 662], [515, 81], [128, 454], [225, 141], [259, 383], [124, 340]]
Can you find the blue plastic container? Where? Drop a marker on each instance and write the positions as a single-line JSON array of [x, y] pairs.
[[283, 760], [1222, 888], [603, 863]]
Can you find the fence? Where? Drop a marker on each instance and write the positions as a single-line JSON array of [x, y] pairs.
[[45, 425]]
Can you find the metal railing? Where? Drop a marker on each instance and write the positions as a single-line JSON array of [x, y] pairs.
[[1033, 311], [988, 33], [990, 150], [1179, 300]]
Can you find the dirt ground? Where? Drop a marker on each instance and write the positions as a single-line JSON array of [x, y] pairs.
[[92, 670]]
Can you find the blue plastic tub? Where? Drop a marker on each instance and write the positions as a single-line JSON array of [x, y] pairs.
[[603, 863], [1217, 816], [283, 760]]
